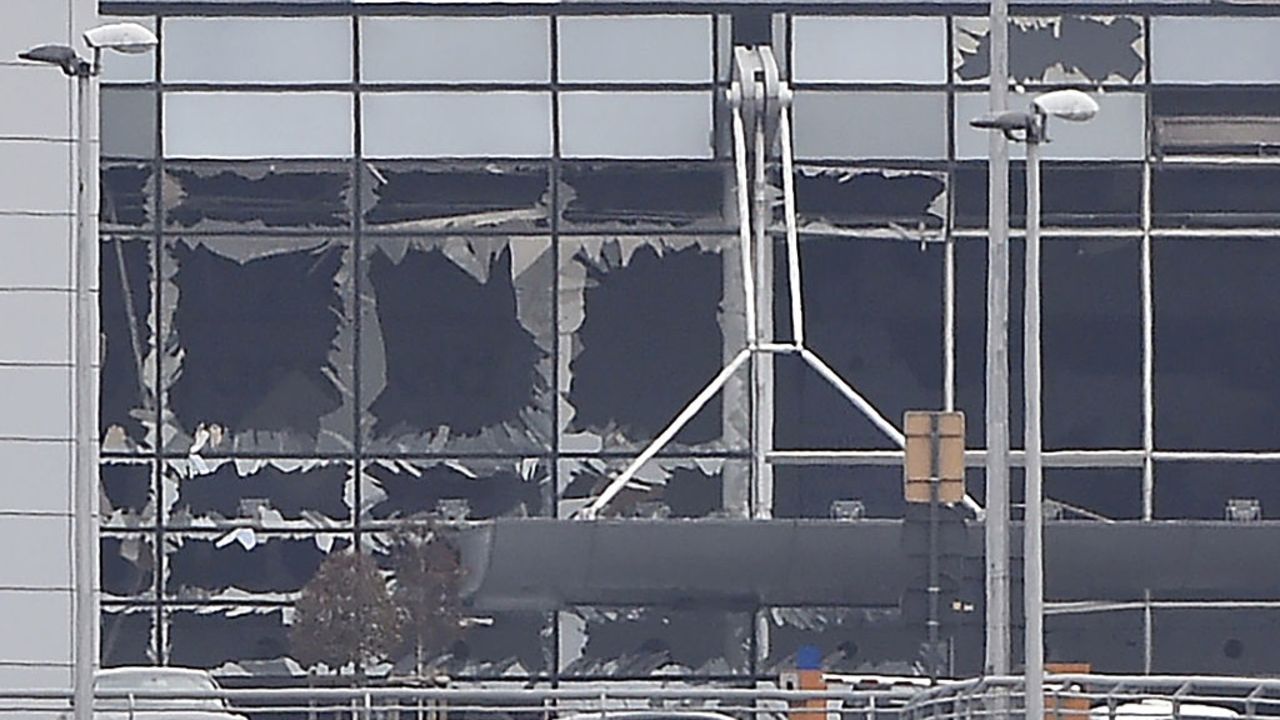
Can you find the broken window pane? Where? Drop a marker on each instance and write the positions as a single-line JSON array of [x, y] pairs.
[[456, 345], [634, 642], [1201, 490], [1214, 49], [128, 493], [457, 123], [471, 489], [271, 494], [479, 195], [680, 488], [232, 639], [872, 311], [258, 124], [127, 410], [455, 49], [497, 645], [1215, 120], [1072, 194], [128, 636], [869, 49], [849, 639], [257, 49], [244, 563], [1217, 334], [1091, 337], [635, 48], [1055, 49], [1199, 196], [632, 358], [235, 195], [864, 125], [645, 195], [810, 491], [1118, 132], [833, 200], [259, 345], [128, 562], [128, 123], [635, 124], [126, 196]]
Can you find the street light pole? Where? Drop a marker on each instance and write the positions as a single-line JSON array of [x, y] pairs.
[[86, 437], [1032, 129], [996, 525], [127, 38], [1033, 522]]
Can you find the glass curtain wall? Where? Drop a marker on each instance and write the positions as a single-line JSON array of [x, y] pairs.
[[360, 266]]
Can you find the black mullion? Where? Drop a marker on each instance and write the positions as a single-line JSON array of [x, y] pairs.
[[357, 248], [158, 337], [553, 21]]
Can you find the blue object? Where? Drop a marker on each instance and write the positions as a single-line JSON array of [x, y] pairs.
[[808, 657]]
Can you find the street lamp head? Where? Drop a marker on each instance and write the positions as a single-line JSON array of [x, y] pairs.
[[1067, 104], [61, 55], [122, 37], [1010, 120]]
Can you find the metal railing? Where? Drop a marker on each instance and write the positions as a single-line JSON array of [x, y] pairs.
[[598, 700], [1103, 697]]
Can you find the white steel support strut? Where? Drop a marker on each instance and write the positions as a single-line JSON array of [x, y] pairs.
[[760, 108]]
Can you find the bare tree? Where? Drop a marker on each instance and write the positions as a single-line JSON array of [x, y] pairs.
[[428, 577], [345, 615]]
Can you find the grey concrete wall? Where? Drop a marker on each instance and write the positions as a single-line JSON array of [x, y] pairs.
[[37, 202]]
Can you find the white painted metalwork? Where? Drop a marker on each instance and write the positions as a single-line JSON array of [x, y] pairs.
[[760, 102]]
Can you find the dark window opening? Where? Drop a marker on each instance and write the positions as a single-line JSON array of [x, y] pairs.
[[456, 353], [636, 642], [483, 196], [127, 488], [128, 563], [199, 568], [871, 312], [208, 640], [644, 195], [126, 637], [256, 339], [650, 341], [1095, 49], [501, 494], [1197, 197], [849, 198], [126, 196], [1073, 195], [687, 493], [260, 195], [126, 406], [224, 491]]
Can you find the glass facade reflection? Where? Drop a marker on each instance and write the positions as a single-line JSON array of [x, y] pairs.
[[431, 256]]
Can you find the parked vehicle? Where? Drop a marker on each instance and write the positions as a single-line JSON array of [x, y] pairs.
[[1162, 709], [133, 689]]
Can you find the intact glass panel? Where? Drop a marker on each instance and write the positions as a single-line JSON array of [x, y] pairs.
[[455, 49], [257, 125], [1117, 132], [128, 123], [457, 124], [257, 49], [654, 48], [125, 67], [870, 124], [636, 124], [869, 49], [1214, 50]]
